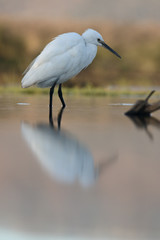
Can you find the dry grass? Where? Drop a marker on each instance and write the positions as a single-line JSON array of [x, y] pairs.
[[139, 46]]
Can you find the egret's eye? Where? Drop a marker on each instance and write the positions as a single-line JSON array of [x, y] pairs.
[[98, 39]]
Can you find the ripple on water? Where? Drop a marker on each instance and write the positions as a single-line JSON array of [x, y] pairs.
[[23, 104], [121, 104]]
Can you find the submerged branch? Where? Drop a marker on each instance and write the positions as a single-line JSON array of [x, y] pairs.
[[143, 108]]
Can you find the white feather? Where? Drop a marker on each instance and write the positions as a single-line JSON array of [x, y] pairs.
[[61, 59]]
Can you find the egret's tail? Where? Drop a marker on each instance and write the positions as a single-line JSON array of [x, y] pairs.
[[25, 84], [27, 80]]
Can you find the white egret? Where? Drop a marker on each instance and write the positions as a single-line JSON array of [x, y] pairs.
[[63, 58]]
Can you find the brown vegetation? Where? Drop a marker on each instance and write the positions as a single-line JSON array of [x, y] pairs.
[[139, 46]]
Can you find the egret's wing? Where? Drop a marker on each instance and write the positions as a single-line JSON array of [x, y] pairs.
[[59, 57], [30, 65]]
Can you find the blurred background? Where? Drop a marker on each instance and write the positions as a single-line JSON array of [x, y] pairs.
[[109, 183], [129, 27]]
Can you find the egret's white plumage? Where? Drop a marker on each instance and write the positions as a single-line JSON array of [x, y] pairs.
[[63, 58]]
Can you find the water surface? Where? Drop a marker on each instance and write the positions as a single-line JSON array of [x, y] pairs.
[[94, 175]]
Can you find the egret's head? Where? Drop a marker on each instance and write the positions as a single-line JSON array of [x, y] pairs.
[[93, 37]]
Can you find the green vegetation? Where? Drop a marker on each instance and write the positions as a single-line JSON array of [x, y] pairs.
[[139, 47], [85, 91]]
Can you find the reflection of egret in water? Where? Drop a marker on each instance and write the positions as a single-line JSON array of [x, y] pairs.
[[142, 122], [62, 155]]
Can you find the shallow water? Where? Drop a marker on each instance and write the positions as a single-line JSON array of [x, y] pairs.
[[97, 177]]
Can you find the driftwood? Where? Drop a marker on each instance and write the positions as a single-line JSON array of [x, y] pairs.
[[143, 108]]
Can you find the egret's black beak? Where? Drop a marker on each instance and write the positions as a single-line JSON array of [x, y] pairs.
[[109, 48]]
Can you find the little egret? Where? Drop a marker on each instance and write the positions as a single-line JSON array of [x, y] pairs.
[[63, 58]]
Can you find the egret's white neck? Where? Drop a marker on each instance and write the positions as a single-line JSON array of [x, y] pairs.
[[91, 51]]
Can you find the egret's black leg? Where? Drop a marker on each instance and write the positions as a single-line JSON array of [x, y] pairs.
[[61, 95], [60, 117], [50, 103]]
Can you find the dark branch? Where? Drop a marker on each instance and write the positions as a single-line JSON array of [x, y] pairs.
[[143, 108]]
